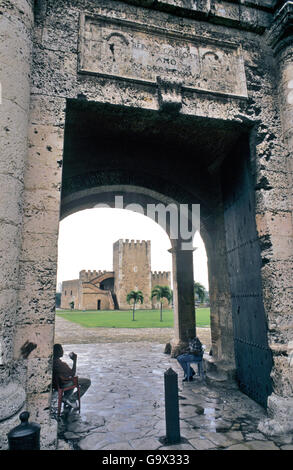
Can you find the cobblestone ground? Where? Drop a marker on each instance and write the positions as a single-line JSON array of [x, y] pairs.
[[72, 333], [124, 409]]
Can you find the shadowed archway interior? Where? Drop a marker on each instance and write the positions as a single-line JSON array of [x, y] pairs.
[[151, 157]]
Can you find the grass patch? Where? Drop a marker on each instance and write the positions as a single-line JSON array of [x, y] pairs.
[[123, 319]]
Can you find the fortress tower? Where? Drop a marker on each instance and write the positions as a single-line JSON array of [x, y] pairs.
[[132, 270]]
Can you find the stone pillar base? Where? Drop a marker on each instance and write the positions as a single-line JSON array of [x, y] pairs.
[[177, 347], [49, 439], [280, 412], [220, 372]]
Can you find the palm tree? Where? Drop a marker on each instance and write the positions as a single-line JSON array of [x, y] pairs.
[[162, 292], [199, 291], [136, 296]]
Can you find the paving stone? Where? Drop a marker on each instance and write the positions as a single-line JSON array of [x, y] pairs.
[[63, 445], [132, 415], [145, 444], [118, 446], [223, 425], [283, 439], [254, 445], [202, 444], [262, 445], [178, 447], [96, 441], [238, 447], [86, 426], [256, 436], [225, 439], [236, 435], [235, 426], [187, 433], [122, 427], [71, 435]]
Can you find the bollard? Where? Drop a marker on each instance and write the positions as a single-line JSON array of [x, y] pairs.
[[171, 407], [26, 436]]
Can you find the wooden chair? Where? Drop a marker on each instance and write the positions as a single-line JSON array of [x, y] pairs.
[[61, 391]]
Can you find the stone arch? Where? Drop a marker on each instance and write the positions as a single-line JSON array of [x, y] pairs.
[[92, 195], [103, 277]]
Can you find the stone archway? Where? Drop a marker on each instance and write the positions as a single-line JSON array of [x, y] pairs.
[[132, 195], [95, 170], [92, 175]]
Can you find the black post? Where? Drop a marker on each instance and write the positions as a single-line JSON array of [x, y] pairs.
[[172, 407], [25, 436]]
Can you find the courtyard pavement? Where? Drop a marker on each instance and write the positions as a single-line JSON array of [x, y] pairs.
[[124, 409]]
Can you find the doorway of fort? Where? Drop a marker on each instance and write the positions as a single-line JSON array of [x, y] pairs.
[[99, 305], [150, 157]]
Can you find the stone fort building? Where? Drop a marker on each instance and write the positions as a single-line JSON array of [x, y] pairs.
[[161, 102], [107, 290]]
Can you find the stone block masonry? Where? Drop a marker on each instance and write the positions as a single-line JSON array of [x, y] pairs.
[[132, 271]]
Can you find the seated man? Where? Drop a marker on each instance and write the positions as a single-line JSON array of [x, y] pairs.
[[194, 353], [62, 375]]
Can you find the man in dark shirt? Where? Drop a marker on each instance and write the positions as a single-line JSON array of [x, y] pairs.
[[194, 353], [63, 374]]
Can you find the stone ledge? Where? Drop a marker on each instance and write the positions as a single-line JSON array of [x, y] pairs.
[[280, 34], [249, 16]]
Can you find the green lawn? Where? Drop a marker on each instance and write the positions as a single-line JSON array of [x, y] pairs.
[[123, 319]]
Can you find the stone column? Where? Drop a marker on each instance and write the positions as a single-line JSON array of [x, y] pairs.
[[220, 293], [183, 288], [277, 225], [34, 329], [16, 22]]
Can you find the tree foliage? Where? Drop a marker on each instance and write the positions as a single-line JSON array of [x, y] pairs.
[[161, 293], [135, 296], [199, 292]]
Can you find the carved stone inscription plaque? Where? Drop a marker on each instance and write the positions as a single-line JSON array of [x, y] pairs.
[[128, 50]]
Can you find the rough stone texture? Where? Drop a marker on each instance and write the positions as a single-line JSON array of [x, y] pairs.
[[12, 399], [15, 76], [118, 110], [15, 59], [70, 293], [132, 270]]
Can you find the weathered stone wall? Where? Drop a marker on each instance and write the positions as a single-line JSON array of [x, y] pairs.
[[219, 288], [88, 276], [90, 300], [70, 293], [132, 270], [16, 21]]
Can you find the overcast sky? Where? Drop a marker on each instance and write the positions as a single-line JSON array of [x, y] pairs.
[[86, 242]]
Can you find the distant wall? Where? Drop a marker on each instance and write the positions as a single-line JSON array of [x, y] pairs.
[[70, 293]]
